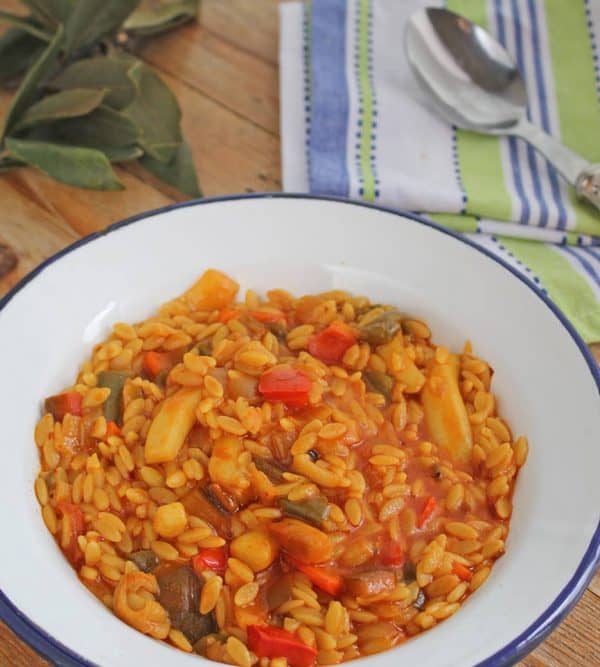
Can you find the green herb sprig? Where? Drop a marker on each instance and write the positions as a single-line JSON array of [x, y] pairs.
[[84, 100]]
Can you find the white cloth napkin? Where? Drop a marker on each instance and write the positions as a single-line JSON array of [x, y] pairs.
[[355, 123]]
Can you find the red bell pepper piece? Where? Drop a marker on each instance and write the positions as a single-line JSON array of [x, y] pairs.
[[462, 571], [392, 554], [286, 384], [214, 559], [267, 641], [324, 578], [70, 402], [331, 344], [428, 509], [74, 525], [267, 316]]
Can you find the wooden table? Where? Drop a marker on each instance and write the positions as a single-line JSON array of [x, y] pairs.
[[224, 73]]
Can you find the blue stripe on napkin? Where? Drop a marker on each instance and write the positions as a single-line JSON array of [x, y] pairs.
[[531, 158], [512, 142], [545, 118], [329, 122], [587, 267]]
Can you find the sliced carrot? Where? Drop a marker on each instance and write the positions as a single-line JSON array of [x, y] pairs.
[[428, 509], [331, 344], [69, 402], [392, 554], [325, 578], [156, 362], [73, 527], [461, 571], [267, 316], [228, 314], [112, 429], [306, 543]]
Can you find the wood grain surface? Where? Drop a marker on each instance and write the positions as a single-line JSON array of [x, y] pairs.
[[224, 73]]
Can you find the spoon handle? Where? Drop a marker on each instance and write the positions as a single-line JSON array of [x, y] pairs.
[[580, 173], [588, 184]]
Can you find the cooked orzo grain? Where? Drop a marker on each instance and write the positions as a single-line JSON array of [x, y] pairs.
[[280, 480]]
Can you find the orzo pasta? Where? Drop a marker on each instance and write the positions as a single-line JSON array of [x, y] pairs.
[[280, 480]]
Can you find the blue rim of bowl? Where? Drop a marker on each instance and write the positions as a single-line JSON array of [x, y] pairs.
[[53, 650]]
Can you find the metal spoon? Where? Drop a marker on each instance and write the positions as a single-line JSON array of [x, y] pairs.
[[478, 87]]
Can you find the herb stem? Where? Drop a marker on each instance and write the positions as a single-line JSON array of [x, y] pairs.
[[25, 25]]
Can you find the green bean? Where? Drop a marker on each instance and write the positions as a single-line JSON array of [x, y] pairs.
[[312, 510], [146, 560], [382, 329], [409, 572], [161, 378], [115, 381], [204, 348], [379, 382], [270, 469], [278, 329], [197, 504]]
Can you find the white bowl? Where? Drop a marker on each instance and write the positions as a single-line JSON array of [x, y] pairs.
[[547, 383]]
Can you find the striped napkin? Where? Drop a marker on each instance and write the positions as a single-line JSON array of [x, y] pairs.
[[355, 124]]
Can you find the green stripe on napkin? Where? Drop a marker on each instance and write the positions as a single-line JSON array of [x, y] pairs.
[[575, 83], [574, 76], [366, 96], [569, 291], [459, 223], [481, 170]]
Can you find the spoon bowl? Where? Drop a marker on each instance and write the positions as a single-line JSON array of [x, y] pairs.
[[474, 78], [477, 86]]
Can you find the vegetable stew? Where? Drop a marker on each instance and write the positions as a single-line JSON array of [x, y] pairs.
[[278, 480]]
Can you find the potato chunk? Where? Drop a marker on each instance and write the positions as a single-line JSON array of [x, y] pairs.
[[255, 548], [226, 470], [445, 412], [213, 291], [171, 426]]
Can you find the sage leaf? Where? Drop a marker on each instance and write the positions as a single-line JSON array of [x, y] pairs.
[[150, 20], [180, 172], [50, 12], [17, 51], [82, 167], [76, 111], [121, 153], [28, 89], [8, 163], [25, 24], [156, 113], [101, 72], [44, 133], [89, 20], [103, 127], [66, 104]]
